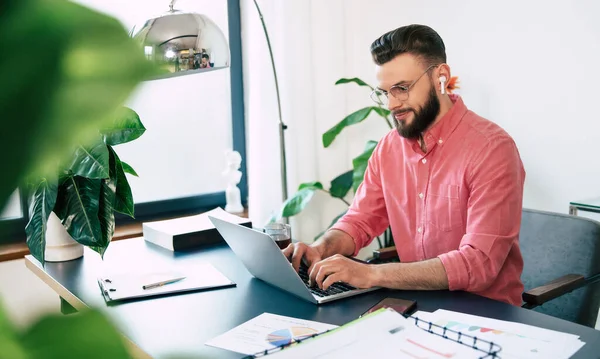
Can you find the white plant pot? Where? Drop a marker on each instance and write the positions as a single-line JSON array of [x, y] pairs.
[[60, 246]]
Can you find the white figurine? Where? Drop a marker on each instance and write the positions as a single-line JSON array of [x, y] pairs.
[[233, 176]]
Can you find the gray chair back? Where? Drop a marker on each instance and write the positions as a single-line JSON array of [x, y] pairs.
[[556, 244]]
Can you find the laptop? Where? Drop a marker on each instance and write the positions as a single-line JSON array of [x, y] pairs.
[[265, 261]]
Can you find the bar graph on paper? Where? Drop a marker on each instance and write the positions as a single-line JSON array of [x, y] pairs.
[[517, 340]]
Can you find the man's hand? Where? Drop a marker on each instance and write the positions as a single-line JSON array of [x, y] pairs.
[[298, 250], [341, 269]]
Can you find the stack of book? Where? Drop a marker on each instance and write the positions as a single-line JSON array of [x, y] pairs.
[[189, 232]]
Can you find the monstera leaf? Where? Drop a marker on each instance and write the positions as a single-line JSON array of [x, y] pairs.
[[78, 203], [43, 200]]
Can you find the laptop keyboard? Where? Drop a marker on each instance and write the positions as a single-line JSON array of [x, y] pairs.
[[335, 288]]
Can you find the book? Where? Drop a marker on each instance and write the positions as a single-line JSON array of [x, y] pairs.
[[116, 287], [189, 232]]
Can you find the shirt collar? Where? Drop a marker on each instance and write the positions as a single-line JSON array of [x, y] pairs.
[[440, 131]]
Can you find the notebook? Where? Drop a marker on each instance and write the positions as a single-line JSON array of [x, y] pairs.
[[124, 286]]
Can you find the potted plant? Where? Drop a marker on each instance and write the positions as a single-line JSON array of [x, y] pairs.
[[75, 206]]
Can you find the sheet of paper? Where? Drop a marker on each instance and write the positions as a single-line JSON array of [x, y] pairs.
[[127, 285], [422, 315], [384, 334], [517, 340], [267, 331]]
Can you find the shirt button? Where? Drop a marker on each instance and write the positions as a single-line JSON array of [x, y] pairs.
[[440, 141], [420, 195], [419, 230], [424, 160]]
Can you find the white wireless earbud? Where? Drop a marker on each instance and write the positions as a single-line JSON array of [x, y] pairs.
[[443, 84]]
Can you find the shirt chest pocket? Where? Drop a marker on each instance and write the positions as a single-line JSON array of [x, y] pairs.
[[443, 207]]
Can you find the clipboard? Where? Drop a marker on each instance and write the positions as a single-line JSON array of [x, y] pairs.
[[126, 286]]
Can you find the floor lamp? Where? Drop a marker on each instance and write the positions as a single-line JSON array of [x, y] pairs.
[[282, 125]]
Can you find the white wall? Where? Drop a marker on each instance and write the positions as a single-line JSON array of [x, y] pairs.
[[529, 66], [188, 118]]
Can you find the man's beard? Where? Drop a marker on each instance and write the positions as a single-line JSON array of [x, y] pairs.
[[422, 118]]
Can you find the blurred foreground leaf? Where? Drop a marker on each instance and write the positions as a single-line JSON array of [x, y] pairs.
[[65, 70]]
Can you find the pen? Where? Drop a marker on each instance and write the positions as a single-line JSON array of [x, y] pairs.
[[160, 284]]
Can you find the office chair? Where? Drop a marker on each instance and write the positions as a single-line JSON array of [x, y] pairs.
[[561, 255]]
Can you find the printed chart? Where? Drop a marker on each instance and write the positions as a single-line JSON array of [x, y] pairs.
[[289, 335], [267, 331]]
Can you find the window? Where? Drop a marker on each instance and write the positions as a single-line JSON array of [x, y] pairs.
[[12, 210], [190, 121], [12, 219]]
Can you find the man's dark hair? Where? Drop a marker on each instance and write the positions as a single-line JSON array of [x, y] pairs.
[[205, 56], [418, 40]]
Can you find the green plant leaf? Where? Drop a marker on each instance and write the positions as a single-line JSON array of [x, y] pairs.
[[355, 80], [316, 185], [91, 161], [90, 66], [42, 204], [351, 119], [359, 164], [106, 215], [331, 224], [123, 198], [296, 203], [126, 127], [383, 112], [85, 335], [11, 348], [79, 198], [128, 169], [341, 184]]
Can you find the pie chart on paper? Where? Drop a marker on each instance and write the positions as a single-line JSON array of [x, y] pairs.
[[289, 335]]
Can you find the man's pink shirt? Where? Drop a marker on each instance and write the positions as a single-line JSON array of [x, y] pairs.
[[461, 202]]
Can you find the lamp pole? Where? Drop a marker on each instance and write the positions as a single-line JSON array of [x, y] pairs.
[[282, 125]]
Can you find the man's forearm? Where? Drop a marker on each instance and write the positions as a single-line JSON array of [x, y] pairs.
[[425, 275], [334, 242]]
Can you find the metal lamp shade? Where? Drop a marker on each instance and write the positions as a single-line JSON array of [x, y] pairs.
[[183, 43]]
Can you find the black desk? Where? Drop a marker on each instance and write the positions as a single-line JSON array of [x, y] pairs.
[[181, 324]]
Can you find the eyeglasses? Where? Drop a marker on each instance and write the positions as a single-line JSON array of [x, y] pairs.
[[400, 92]]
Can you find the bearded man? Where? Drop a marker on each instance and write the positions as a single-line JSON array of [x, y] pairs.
[[448, 182]]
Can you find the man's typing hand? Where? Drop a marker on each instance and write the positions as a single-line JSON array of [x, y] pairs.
[[341, 269], [296, 251]]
